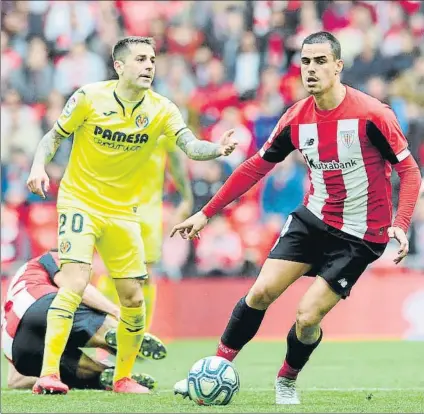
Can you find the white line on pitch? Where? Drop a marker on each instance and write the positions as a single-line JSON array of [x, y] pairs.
[[250, 389], [414, 389]]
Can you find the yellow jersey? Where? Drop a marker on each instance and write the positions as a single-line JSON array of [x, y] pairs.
[[113, 140]]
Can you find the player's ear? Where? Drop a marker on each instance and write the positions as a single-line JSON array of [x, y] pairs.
[[118, 66], [339, 66]]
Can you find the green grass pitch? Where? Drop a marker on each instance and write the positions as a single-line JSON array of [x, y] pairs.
[[341, 377]]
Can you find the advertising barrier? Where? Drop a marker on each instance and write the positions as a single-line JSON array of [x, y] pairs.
[[380, 307]]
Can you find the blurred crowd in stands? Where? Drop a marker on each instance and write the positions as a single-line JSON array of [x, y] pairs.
[[226, 64]]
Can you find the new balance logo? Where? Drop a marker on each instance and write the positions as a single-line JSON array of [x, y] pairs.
[[342, 282], [309, 142], [332, 165], [109, 113]]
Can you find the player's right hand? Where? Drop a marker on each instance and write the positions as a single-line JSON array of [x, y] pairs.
[[189, 229], [38, 181], [227, 143]]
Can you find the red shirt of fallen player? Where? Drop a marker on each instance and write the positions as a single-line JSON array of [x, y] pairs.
[[31, 282]]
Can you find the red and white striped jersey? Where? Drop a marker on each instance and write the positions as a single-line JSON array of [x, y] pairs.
[[31, 282], [349, 152]]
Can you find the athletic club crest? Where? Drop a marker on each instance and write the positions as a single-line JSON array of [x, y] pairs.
[[142, 121], [347, 137]]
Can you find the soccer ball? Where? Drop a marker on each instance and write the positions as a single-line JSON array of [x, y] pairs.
[[213, 381]]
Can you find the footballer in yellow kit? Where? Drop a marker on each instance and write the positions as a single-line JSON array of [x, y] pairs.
[[99, 199], [116, 126]]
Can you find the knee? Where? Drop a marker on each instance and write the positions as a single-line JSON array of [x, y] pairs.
[[131, 294], [307, 319], [134, 300], [260, 297], [79, 285], [76, 276]]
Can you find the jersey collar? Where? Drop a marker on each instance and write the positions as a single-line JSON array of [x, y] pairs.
[[123, 106]]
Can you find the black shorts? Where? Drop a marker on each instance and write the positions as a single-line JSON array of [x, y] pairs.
[[28, 345], [334, 255]]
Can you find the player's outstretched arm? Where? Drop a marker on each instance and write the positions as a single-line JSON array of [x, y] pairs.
[[38, 180], [244, 177], [202, 150]]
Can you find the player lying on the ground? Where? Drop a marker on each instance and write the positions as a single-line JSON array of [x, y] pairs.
[[350, 141], [24, 323]]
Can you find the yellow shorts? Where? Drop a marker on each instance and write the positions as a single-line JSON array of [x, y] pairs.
[[151, 232], [118, 242]]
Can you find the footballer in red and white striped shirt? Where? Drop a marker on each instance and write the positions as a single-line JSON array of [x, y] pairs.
[[350, 143], [349, 152]]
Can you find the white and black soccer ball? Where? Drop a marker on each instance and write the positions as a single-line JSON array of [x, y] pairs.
[[213, 381]]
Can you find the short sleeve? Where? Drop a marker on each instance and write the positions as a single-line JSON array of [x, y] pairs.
[[385, 134], [73, 114], [174, 123], [49, 264], [279, 144]]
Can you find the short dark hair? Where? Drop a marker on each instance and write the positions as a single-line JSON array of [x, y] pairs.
[[325, 37], [121, 48]]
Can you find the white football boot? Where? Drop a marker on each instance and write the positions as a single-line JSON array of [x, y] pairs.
[[285, 391], [181, 388]]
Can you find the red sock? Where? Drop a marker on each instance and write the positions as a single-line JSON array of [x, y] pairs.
[[225, 352], [287, 371]]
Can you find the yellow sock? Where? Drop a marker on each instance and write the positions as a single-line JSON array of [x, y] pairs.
[[149, 292], [59, 324], [129, 336]]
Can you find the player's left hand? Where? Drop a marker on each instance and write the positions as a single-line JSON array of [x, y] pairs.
[[398, 234], [228, 143]]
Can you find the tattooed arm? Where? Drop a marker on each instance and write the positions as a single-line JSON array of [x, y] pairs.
[[43, 155], [74, 114], [197, 149], [47, 148], [203, 150]]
